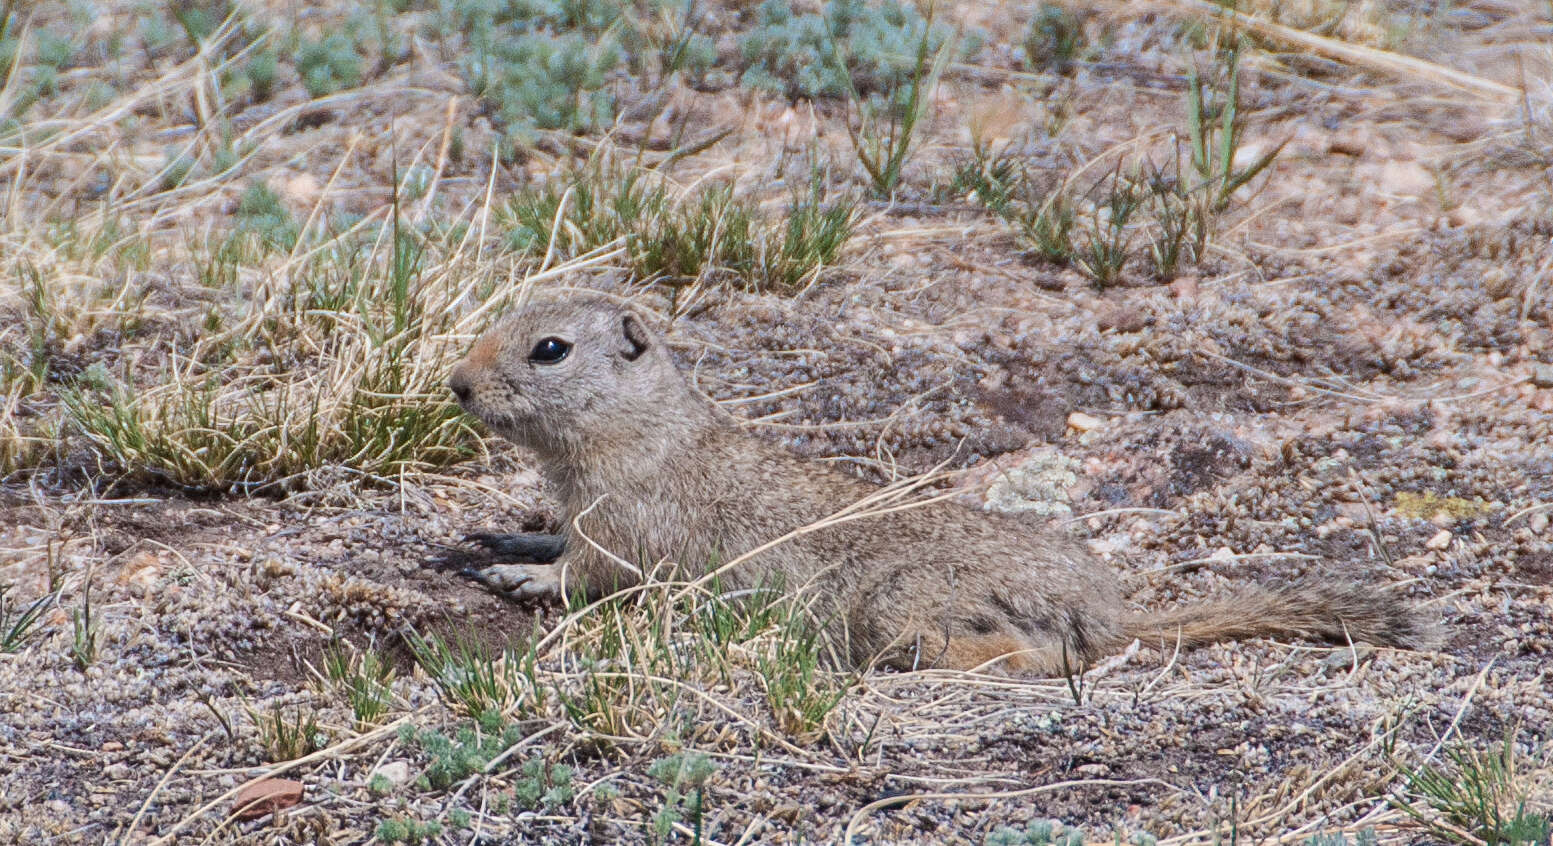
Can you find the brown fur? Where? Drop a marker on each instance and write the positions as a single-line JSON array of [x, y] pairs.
[[651, 470]]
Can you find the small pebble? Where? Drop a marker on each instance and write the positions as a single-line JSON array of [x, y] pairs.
[[1079, 421], [1440, 541]]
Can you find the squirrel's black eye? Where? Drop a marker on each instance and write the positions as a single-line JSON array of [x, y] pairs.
[[549, 351]]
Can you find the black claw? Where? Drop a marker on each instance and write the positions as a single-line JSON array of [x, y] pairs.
[[534, 548], [474, 575]]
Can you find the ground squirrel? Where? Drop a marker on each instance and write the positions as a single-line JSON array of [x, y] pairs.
[[648, 469]]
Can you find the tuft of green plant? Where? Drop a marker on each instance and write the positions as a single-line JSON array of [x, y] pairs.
[[339, 374], [477, 680], [704, 233], [199, 19], [543, 785], [83, 645], [799, 691], [809, 238], [406, 830], [365, 679], [886, 128], [678, 239], [1036, 833], [259, 74], [1480, 793], [684, 776], [330, 64], [286, 737], [19, 625], [1363, 837], [468, 752], [1054, 38], [261, 213], [541, 65], [1106, 246], [1215, 129], [32, 80], [851, 48]]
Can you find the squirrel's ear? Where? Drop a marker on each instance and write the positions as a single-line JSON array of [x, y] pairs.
[[636, 337]]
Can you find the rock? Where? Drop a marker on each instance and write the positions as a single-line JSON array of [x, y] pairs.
[[1538, 523], [266, 797], [1542, 375], [1346, 658], [1121, 318], [1441, 540], [397, 772], [1082, 422]]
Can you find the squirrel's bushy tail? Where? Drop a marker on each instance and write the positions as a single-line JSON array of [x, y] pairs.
[[1309, 610]]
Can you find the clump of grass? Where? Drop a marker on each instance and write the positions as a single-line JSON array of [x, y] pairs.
[[83, 643], [1172, 208], [1480, 795], [20, 624], [365, 679], [246, 409], [637, 652], [886, 128], [1054, 38], [287, 737], [704, 233], [478, 680], [679, 238], [1215, 130], [31, 69], [1105, 246], [798, 688], [809, 238]]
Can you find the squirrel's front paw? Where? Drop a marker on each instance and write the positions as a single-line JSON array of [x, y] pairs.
[[520, 581]]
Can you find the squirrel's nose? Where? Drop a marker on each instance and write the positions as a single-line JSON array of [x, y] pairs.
[[459, 383]]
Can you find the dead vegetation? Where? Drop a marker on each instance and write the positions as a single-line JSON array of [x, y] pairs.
[[1260, 290]]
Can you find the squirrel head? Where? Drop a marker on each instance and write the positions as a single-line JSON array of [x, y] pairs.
[[570, 377]]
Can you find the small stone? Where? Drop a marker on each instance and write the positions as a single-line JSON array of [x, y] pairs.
[[396, 772], [266, 797], [1542, 375], [1184, 288], [1121, 318], [1441, 540], [1082, 422], [1538, 523], [1092, 770], [1346, 658]]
